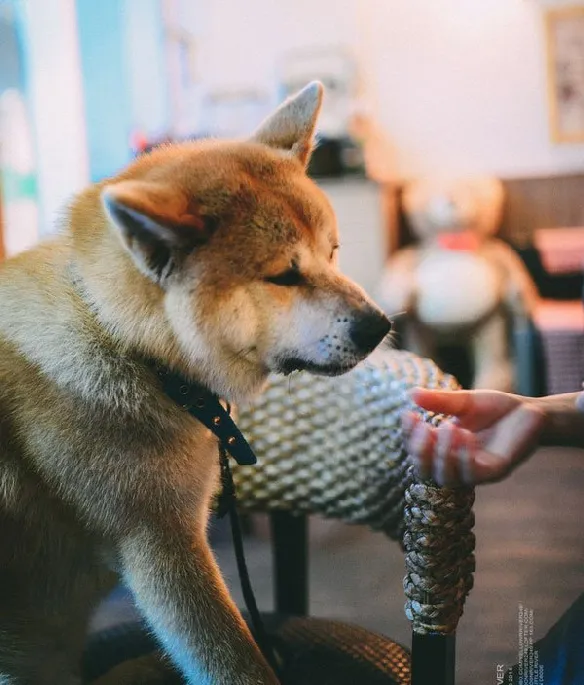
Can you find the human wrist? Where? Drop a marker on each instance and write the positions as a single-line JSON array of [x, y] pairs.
[[563, 422]]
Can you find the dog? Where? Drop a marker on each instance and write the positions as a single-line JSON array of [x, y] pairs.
[[216, 259]]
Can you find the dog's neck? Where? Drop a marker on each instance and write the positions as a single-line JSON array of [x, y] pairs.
[[126, 305], [137, 327]]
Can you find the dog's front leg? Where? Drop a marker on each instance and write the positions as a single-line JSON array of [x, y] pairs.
[[180, 591]]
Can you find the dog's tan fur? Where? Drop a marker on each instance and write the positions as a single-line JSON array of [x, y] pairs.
[[101, 475]]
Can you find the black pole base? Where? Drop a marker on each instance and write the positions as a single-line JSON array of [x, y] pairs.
[[290, 553], [433, 659]]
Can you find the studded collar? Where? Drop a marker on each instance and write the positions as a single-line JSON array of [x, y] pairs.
[[206, 407]]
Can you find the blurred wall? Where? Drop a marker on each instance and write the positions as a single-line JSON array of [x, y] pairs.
[[146, 66], [241, 43], [124, 79], [459, 86], [54, 88], [19, 209], [11, 75], [94, 72], [106, 85]]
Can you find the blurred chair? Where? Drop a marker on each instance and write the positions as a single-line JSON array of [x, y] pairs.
[[559, 320], [333, 447]]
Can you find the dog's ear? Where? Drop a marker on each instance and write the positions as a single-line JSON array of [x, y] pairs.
[[291, 127], [155, 224]]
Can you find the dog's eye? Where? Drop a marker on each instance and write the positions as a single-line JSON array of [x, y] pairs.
[[287, 278], [335, 248]]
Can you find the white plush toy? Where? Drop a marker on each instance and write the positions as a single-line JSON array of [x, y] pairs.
[[459, 283]]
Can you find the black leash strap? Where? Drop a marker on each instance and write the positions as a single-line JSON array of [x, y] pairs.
[[228, 504], [204, 406]]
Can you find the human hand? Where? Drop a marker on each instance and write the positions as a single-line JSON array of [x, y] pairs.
[[490, 434]]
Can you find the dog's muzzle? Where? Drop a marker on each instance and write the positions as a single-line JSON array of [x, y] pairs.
[[364, 334]]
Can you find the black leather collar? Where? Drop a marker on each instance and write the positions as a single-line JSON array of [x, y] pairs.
[[206, 407]]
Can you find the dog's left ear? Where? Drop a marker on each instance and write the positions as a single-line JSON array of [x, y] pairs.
[[291, 127], [155, 225]]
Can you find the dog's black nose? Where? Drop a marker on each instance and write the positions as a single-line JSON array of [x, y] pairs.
[[369, 330]]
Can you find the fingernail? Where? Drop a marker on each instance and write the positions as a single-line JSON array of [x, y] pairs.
[[420, 435], [412, 392]]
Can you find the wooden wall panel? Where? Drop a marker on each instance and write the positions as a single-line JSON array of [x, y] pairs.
[[531, 203]]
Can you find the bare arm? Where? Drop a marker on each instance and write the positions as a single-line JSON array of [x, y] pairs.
[[564, 419]]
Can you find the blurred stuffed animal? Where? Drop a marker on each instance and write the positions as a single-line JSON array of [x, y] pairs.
[[459, 283]]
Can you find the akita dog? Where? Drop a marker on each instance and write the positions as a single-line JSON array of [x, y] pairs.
[[213, 259]]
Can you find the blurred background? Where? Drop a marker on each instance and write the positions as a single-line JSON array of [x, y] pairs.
[[416, 91], [458, 86]]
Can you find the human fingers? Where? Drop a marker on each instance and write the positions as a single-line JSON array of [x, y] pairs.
[[420, 440], [452, 402], [474, 409], [443, 453], [454, 449]]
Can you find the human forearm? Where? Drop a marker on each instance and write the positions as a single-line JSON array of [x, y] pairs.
[[564, 421]]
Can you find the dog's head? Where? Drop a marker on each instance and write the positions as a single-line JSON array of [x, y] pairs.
[[243, 246]]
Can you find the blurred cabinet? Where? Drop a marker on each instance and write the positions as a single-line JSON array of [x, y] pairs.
[[365, 212]]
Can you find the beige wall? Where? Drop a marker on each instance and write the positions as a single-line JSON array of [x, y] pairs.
[[56, 99], [458, 85]]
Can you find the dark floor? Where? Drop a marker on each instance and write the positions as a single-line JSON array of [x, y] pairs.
[[530, 550]]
